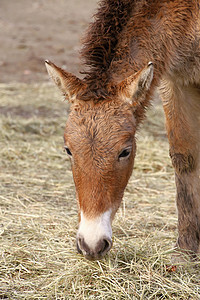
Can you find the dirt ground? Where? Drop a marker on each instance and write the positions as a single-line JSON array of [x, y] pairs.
[[32, 31]]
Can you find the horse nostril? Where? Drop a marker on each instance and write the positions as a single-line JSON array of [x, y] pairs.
[[82, 247], [103, 247], [78, 246]]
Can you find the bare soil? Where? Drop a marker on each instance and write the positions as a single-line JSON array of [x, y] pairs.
[[32, 31]]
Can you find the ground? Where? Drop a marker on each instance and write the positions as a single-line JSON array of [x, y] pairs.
[[32, 31], [38, 212]]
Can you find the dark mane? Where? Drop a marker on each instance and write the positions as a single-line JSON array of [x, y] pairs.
[[102, 37]]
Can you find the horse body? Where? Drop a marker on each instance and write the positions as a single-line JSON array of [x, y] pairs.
[[132, 48]]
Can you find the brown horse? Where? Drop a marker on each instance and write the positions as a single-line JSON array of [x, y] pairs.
[[131, 48]]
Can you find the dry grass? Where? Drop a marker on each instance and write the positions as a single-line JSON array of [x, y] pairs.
[[38, 214]]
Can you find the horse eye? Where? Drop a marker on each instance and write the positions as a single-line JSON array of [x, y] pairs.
[[125, 153], [68, 151]]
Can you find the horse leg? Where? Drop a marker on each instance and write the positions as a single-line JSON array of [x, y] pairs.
[[182, 110]]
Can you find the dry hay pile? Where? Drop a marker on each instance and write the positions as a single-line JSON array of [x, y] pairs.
[[38, 214]]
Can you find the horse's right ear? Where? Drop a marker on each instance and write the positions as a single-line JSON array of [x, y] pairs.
[[69, 84]]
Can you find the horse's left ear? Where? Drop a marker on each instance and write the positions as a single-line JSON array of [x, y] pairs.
[[135, 87], [68, 83]]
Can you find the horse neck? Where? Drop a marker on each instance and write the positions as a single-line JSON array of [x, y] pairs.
[[155, 33]]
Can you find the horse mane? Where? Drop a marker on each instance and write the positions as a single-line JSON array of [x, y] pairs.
[[99, 44], [104, 50]]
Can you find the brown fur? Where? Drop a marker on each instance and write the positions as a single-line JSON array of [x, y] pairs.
[[102, 37], [126, 35], [110, 102], [98, 154], [188, 214]]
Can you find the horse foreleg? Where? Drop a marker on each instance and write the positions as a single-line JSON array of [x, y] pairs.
[[182, 111]]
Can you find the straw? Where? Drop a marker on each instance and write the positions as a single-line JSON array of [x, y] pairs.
[[38, 212]]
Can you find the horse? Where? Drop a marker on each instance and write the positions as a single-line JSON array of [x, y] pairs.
[[131, 49]]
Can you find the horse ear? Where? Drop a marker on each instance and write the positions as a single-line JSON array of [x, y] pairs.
[[135, 87], [68, 83]]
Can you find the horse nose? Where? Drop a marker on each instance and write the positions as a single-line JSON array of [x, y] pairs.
[[102, 247]]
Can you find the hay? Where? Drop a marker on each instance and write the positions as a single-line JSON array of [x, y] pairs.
[[38, 214]]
